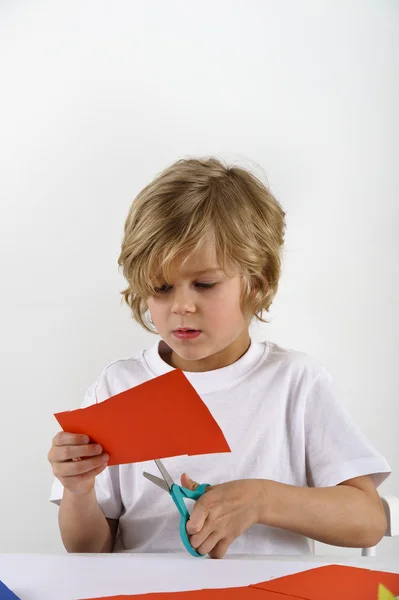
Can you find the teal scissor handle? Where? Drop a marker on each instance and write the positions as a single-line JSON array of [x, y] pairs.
[[178, 494]]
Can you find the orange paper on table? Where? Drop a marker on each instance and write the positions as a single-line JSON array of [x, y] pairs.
[[332, 582], [236, 593], [160, 418]]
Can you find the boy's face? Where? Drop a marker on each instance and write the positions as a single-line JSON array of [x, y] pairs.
[[212, 311]]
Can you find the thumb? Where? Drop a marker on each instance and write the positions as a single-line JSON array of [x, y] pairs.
[[188, 483]]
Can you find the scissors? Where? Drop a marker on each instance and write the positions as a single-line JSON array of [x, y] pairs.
[[178, 494]]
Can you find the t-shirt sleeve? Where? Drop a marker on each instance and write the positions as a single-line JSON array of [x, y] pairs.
[[107, 485], [335, 448]]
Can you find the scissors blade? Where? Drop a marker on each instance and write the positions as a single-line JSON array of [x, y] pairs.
[[157, 480], [169, 481]]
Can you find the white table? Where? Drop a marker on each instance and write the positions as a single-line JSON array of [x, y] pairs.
[[72, 576]]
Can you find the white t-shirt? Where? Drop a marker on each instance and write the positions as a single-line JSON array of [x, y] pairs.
[[282, 420]]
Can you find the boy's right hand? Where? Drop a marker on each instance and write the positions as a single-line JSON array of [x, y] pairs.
[[76, 462]]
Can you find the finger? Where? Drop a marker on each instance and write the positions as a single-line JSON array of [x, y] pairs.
[[67, 453], [197, 518], [71, 469], [85, 476], [65, 438], [192, 485], [97, 471], [208, 544], [220, 549], [188, 483], [208, 528]]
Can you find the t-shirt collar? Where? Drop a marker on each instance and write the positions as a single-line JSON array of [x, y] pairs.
[[208, 381]]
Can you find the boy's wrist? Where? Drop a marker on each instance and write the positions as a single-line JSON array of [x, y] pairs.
[[267, 498], [277, 502], [83, 499]]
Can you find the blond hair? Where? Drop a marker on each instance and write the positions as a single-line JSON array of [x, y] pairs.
[[192, 202]]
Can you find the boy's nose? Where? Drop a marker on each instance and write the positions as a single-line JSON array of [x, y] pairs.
[[181, 309], [182, 303]]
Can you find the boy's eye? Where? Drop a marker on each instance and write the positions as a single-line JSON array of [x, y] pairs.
[[205, 286], [160, 290], [164, 288]]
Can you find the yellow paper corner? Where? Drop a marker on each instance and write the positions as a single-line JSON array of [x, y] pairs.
[[384, 593]]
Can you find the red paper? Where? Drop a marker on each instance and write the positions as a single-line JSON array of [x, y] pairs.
[[333, 582], [160, 418], [237, 593]]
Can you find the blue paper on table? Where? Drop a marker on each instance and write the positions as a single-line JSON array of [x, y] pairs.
[[7, 594]]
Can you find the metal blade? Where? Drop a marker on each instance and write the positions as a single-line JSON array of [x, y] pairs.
[[157, 480], [165, 474]]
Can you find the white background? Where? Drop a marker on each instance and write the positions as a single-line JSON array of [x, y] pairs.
[[96, 98]]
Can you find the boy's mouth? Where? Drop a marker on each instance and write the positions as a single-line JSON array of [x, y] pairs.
[[186, 333]]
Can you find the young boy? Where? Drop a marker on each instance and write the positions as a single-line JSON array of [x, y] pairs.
[[201, 255]]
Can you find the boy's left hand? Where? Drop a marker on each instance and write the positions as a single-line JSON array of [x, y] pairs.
[[223, 513]]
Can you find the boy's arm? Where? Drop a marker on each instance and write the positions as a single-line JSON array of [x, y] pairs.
[[83, 525], [350, 514]]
